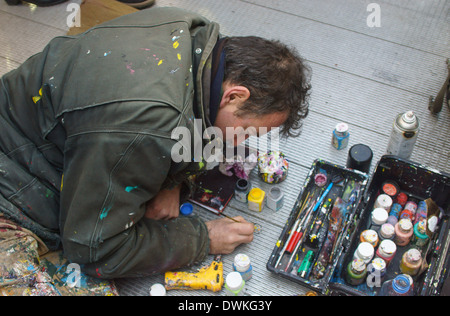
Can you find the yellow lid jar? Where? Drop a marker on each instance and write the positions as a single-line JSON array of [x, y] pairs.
[[256, 199]]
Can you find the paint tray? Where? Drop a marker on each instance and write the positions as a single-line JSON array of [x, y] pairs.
[[311, 190], [419, 183]]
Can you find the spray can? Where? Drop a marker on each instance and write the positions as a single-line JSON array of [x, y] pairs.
[[404, 135]]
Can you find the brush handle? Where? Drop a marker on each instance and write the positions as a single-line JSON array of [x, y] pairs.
[[323, 196]]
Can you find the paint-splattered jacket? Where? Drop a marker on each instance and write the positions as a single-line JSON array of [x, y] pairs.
[[86, 140]]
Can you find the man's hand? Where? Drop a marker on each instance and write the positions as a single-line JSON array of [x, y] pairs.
[[165, 205], [225, 235]]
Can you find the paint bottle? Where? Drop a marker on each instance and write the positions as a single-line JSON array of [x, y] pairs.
[[256, 199], [376, 270], [356, 272], [243, 266], [157, 290], [421, 212], [241, 190], [400, 286], [396, 209], [387, 251], [340, 136], [403, 232], [404, 135], [387, 231], [409, 211], [411, 262], [365, 252], [275, 199], [420, 237], [383, 201], [369, 236], [390, 188], [234, 285], [379, 217], [187, 209], [401, 199]]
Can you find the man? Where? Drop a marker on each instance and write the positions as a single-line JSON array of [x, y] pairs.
[[86, 135]]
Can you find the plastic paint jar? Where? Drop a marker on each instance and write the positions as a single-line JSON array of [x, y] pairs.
[[369, 236], [383, 201], [409, 211], [420, 237], [186, 209], [396, 209], [243, 266], [340, 136], [387, 251], [387, 231], [241, 190], [411, 262], [356, 272], [365, 252], [234, 284], [422, 212], [275, 199], [256, 199], [157, 290], [403, 232], [401, 199], [400, 286], [379, 217]]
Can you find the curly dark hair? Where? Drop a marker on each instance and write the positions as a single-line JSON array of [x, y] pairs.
[[277, 77]]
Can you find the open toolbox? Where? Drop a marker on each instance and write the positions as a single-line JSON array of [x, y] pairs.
[[334, 209]]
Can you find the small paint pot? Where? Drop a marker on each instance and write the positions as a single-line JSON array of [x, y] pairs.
[[186, 209], [273, 167], [241, 190], [275, 199]]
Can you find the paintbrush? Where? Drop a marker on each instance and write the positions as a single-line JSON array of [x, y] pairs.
[[257, 227]]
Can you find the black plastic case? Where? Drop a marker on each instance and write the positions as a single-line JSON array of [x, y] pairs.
[[415, 180]]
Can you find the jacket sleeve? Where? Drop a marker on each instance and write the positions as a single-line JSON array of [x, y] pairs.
[[109, 176]]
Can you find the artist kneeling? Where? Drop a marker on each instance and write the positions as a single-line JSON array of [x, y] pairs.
[[85, 135]]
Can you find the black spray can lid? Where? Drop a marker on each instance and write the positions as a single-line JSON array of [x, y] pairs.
[[360, 157]]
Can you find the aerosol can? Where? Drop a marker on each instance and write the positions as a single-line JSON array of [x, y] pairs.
[[404, 135]]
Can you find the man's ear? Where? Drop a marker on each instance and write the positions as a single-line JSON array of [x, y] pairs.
[[234, 95]]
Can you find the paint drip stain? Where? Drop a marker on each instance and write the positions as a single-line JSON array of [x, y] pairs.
[[105, 212], [129, 67], [129, 189]]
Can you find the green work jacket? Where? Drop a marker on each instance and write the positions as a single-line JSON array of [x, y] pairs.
[[86, 139]]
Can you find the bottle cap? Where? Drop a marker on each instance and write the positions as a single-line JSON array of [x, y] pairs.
[[242, 262], [256, 193], [388, 248], [358, 266], [383, 201], [365, 251], [379, 216], [401, 284], [186, 209], [387, 231], [370, 236], [157, 290], [360, 158], [405, 225], [413, 256], [234, 281]]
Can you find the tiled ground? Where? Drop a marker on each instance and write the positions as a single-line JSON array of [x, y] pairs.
[[362, 75]]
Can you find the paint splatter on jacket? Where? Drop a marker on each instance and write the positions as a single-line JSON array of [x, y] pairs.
[[86, 140]]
